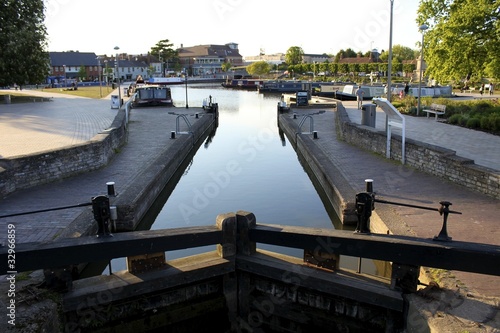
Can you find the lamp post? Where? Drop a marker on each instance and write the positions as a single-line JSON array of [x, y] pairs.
[[389, 66], [186, 79], [118, 77], [65, 83], [422, 28], [107, 75], [100, 81]]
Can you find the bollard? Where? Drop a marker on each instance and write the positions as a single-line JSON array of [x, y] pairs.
[[294, 115], [196, 115], [315, 134], [111, 189], [369, 185], [172, 135]]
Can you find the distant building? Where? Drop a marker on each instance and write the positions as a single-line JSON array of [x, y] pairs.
[[207, 60], [273, 59], [315, 58], [67, 65], [128, 70]]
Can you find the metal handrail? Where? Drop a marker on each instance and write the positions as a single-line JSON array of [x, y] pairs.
[[311, 125]]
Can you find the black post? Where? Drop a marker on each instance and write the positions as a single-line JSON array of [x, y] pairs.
[[444, 210], [364, 207], [102, 214]]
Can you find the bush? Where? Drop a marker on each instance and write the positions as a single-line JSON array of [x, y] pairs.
[[455, 119], [474, 123]]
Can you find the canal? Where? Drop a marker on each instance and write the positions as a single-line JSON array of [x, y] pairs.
[[246, 165]]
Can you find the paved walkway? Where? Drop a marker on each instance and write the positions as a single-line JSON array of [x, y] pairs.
[[482, 147], [27, 128]]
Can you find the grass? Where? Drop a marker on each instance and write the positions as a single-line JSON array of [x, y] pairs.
[[89, 92]]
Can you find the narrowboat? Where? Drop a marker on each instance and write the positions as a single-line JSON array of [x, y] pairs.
[[282, 87], [247, 84], [152, 95]]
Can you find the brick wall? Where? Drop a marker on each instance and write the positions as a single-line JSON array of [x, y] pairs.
[[429, 158], [30, 170]]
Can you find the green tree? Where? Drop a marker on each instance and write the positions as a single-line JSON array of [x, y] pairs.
[[294, 55], [463, 38], [23, 55], [165, 53], [82, 72], [258, 68], [349, 53], [226, 66], [400, 53]]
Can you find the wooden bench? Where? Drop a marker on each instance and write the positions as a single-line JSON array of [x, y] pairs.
[[436, 109]]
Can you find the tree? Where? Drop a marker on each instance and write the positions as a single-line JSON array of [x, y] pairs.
[[399, 53], [82, 73], [164, 51], [463, 38], [23, 55], [294, 55], [258, 68], [226, 66], [349, 53]]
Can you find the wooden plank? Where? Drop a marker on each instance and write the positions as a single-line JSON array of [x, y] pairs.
[[264, 264], [69, 251], [122, 285], [456, 255]]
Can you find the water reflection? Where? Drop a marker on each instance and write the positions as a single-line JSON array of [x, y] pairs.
[[246, 165]]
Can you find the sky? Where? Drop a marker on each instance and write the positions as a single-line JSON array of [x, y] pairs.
[[272, 26]]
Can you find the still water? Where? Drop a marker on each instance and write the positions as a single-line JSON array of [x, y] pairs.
[[247, 165]]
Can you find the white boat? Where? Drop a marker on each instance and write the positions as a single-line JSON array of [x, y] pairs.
[[152, 95]]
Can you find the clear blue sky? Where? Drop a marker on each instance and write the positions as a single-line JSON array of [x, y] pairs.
[[319, 26]]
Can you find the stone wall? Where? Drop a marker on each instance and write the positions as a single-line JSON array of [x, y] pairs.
[[26, 171], [429, 158]]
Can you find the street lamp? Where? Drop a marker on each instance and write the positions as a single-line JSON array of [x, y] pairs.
[[65, 84], [107, 75], [422, 28], [186, 79], [389, 66], [118, 77], [100, 81]]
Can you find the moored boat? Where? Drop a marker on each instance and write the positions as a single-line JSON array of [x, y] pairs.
[[278, 86], [152, 95], [249, 84]]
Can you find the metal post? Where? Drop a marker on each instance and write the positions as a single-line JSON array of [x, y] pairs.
[[186, 77], [364, 207], [444, 210], [100, 81], [102, 214], [422, 28], [118, 78], [389, 67]]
